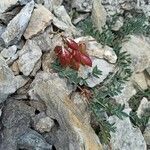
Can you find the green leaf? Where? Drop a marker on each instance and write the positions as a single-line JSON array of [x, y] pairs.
[[96, 72]]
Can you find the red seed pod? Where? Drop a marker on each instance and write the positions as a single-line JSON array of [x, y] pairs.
[[58, 50], [71, 43], [85, 60], [76, 55]]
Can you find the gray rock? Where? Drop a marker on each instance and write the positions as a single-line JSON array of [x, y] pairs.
[[36, 68], [7, 16], [63, 20], [126, 136], [144, 107], [9, 52], [139, 50], [32, 140], [44, 40], [17, 25], [82, 5], [118, 24], [148, 70], [43, 123], [98, 15], [98, 50], [7, 4], [2, 29], [28, 57], [147, 133], [139, 80], [8, 82], [40, 19], [102, 65], [16, 120], [74, 132], [127, 92]]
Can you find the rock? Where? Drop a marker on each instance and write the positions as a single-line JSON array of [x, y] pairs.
[[36, 68], [147, 134], [40, 19], [44, 124], [28, 57], [16, 113], [98, 15], [118, 24], [82, 5], [9, 52], [32, 140], [140, 80], [126, 137], [16, 28], [16, 120], [8, 82], [110, 55], [139, 50], [80, 18], [97, 50], [73, 132], [14, 67], [8, 16], [102, 65], [148, 70], [44, 40], [82, 104], [10, 60], [7, 4], [63, 20], [144, 107], [127, 92], [2, 29]]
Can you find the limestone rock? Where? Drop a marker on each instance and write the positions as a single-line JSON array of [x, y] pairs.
[[148, 70], [63, 20], [43, 123], [9, 52], [36, 68], [140, 80], [44, 40], [102, 65], [126, 136], [40, 19], [127, 92], [98, 15], [8, 16], [16, 28], [147, 134], [32, 140], [82, 5], [73, 132], [8, 82], [97, 50], [2, 29], [14, 67], [144, 107], [118, 24], [7, 4], [28, 57], [139, 50]]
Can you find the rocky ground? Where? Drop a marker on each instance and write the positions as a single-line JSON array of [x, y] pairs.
[[40, 110]]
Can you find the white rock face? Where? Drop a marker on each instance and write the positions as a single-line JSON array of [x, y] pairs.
[[40, 19], [102, 65], [126, 136], [45, 124], [9, 52], [82, 5], [63, 20], [98, 14], [28, 57], [139, 50], [140, 80], [97, 50], [147, 133], [8, 82], [143, 107], [18, 25]]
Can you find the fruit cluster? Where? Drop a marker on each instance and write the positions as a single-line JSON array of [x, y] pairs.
[[72, 54]]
